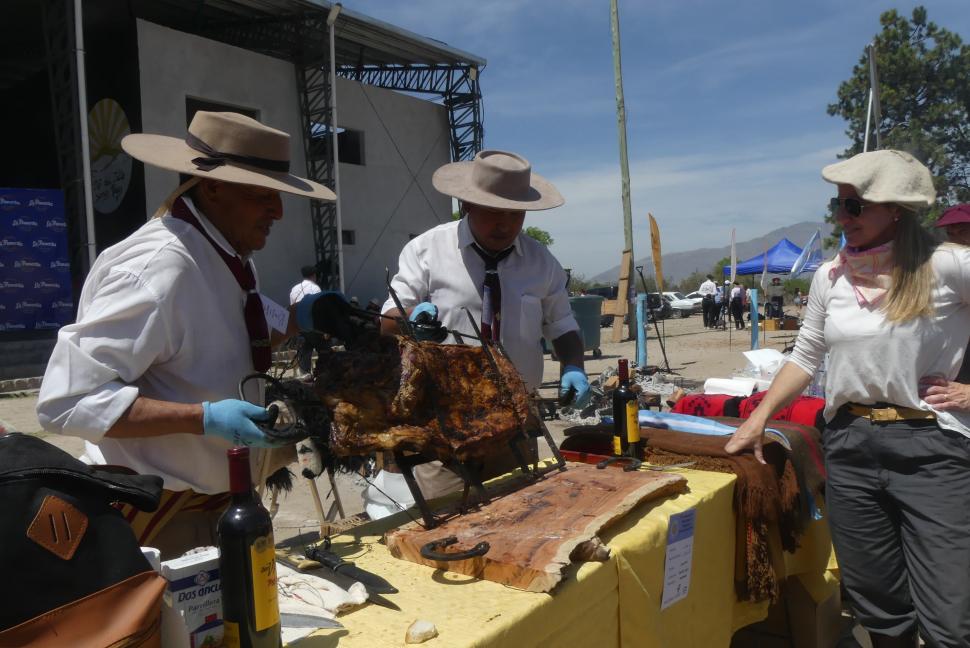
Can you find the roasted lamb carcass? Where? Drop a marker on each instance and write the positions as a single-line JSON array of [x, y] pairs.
[[445, 401]]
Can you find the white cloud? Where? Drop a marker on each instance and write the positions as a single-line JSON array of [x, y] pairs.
[[696, 200]]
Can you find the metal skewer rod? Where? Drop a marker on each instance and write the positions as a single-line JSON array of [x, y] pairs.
[[366, 313], [405, 325], [560, 461]]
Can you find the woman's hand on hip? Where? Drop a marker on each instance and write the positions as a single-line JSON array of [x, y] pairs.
[[750, 435], [944, 395]]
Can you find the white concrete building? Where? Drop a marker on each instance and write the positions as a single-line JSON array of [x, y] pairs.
[[405, 105]]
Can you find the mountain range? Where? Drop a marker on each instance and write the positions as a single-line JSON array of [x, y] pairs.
[[678, 265]]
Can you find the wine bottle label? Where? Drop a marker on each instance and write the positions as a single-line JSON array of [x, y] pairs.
[[632, 422], [265, 598], [230, 635]]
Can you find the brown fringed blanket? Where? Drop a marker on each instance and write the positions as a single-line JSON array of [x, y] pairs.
[[772, 501]]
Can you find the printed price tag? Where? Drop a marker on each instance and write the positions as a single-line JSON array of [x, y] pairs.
[[680, 550], [276, 316]]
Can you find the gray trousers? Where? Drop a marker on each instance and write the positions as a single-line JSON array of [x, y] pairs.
[[898, 497]]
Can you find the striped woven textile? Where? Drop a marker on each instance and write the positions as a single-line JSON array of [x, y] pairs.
[[146, 525]]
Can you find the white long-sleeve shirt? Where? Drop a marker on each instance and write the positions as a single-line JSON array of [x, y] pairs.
[[874, 361], [441, 267], [708, 288], [302, 289], [160, 316]]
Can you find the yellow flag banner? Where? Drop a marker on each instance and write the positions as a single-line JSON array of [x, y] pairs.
[[658, 268]]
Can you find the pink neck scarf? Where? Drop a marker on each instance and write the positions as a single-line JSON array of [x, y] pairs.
[[869, 272]]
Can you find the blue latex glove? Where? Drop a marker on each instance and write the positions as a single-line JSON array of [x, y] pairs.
[[233, 420], [424, 307], [427, 328], [575, 378]]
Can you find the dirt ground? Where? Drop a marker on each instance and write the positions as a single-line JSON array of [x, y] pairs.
[[694, 353]]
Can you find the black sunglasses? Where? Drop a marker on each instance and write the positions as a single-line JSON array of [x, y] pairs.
[[852, 206]]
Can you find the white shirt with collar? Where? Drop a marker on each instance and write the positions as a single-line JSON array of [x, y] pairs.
[[302, 289], [440, 266], [707, 288], [160, 316]]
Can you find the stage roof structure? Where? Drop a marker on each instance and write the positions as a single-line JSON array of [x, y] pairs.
[[366, 50]]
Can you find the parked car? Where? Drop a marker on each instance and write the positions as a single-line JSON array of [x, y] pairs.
[[681, 305], [606, 292], [697, 298], [661, 308]]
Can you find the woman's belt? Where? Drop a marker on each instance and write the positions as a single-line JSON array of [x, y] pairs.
[[889, 413]]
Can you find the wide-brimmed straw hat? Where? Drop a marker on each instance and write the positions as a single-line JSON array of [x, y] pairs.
[[885, 176], [497, 179], [954, 215], [230, 147]]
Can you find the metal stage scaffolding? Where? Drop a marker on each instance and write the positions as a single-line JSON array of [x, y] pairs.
[[366, 50]]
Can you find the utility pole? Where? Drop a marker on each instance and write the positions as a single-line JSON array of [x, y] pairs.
[[621, 132]]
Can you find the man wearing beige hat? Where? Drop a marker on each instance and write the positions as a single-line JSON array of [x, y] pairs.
[[170, 320], [512, 285]]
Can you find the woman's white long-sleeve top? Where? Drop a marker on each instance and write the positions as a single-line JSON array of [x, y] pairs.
[[874, 361]]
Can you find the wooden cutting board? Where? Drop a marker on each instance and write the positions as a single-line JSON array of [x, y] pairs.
[[534, 531]]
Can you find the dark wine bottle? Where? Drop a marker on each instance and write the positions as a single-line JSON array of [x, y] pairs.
[[247, 564], [626, 423]]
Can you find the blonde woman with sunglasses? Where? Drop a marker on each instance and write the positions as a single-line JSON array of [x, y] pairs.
[[891, 308]]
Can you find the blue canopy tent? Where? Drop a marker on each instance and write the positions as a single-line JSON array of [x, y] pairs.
[[781, 258]]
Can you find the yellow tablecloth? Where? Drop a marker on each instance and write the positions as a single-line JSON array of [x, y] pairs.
[[615, 603]]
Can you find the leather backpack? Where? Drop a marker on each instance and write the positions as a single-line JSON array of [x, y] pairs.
[[74, 574]]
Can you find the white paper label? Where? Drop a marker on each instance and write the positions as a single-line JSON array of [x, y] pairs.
[[276, 316], [680, 549]]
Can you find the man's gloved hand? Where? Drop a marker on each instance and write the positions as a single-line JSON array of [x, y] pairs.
[[427, 327], [574, 379], [233, 419], [326, 312]]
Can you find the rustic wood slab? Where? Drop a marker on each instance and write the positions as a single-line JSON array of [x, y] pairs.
[[538, 530]]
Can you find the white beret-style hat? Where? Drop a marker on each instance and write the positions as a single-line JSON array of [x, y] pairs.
[[885, 176]]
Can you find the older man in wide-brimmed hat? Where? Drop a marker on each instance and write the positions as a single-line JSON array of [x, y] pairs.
[[170, 320], [511, 284]]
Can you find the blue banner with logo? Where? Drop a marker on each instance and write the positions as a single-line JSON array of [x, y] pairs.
[[35, 274]]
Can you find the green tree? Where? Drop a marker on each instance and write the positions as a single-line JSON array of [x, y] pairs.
[[650, 281], [924, 98], [578, 283], [792, 285], [718, 270], [691, 282], [540, 235]]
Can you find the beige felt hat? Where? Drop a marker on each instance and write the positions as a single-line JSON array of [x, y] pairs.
[[230, 147], [499, 180], [885, 176]]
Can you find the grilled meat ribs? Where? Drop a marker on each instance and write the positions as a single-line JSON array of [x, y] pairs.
[[443, 400]]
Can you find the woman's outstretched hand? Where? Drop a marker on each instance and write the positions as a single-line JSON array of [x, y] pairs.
[[749, 435]]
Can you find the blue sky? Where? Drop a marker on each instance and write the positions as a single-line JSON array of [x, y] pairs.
[[725, 101]]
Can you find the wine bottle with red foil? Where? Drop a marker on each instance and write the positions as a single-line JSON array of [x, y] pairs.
[[626, 423], [247, 564]]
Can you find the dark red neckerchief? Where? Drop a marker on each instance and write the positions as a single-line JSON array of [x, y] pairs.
[[246, 278]]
